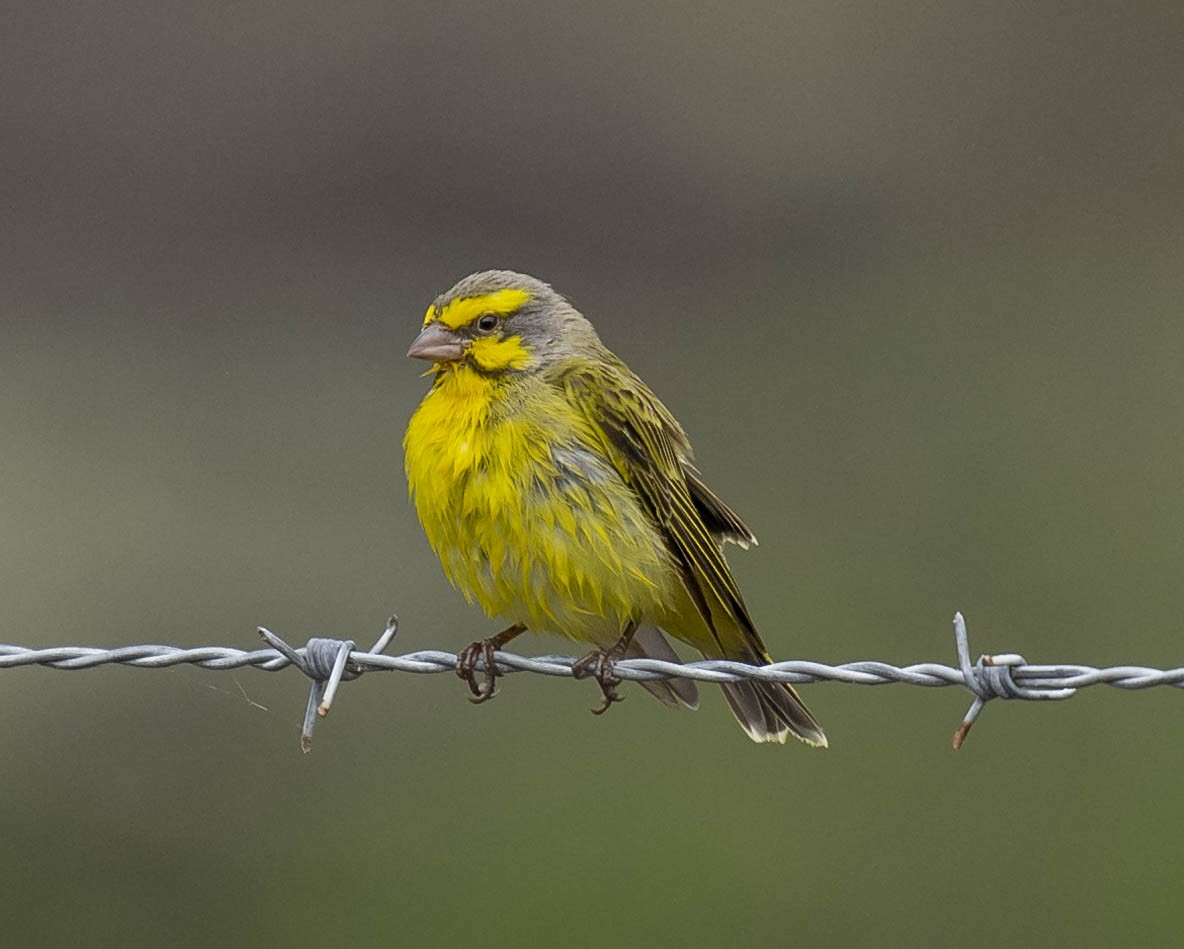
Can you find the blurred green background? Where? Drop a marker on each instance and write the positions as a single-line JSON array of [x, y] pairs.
[[911, 276]]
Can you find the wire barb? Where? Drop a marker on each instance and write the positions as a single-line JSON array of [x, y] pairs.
[[329, 662], [991, 678]]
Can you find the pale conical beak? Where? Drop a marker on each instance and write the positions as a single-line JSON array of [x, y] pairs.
[[437, 343]]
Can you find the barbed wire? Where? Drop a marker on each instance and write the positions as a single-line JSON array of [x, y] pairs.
[[329, 662]]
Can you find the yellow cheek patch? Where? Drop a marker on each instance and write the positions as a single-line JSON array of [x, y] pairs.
[[461, 312], [493, 355]]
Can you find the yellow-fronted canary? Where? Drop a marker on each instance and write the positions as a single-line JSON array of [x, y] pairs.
[[560, 494]]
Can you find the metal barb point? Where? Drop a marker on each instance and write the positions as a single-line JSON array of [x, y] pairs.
[[327, 662], [971, 676], [991, 678]]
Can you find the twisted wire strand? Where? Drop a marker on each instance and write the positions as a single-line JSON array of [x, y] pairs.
[[431, 661], [329, 662]]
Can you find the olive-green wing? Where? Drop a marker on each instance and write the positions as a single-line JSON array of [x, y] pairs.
[[650, 450]]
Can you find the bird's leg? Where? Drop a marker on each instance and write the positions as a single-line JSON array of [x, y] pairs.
[[599, 663], [483, 649]]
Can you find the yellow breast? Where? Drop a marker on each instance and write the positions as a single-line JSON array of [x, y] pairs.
[[527, 516]]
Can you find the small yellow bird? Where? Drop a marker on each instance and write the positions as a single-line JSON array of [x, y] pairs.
[[559, 493]]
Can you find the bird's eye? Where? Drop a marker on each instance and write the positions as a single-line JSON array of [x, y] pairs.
[[487, 323]]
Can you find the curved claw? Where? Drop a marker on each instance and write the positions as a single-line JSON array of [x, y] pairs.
[[466, 668], [610, 696], [483, 650], [599, 664]]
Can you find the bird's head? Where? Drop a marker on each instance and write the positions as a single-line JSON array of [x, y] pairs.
[[499, 321]]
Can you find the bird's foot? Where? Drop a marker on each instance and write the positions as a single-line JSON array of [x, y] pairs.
[[482, 651], [466, 667], [599, 665]]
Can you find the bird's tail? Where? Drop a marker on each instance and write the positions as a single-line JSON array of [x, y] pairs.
[[649, 643], [771, 711]]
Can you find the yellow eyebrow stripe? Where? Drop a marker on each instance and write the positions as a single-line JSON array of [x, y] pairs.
[[460, 312]]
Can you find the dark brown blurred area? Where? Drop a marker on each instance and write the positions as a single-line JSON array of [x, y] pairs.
[[152, 150], [911, 276]]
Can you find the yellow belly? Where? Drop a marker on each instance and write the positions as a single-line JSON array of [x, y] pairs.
[[528, 519]]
